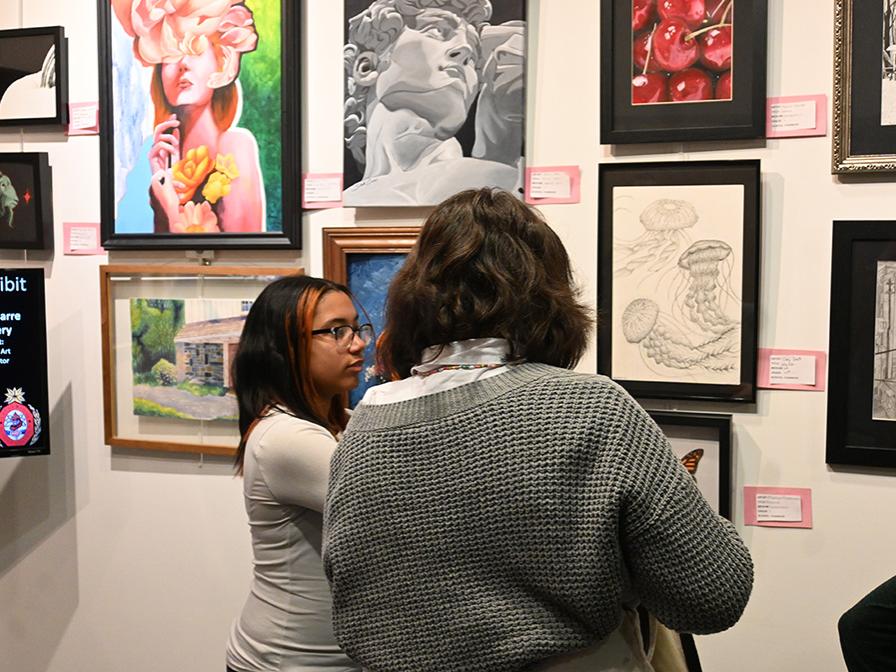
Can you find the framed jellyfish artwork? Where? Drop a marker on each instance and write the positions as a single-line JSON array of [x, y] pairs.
[[861, 418], [678, 278], [200, 124], [365, 259], [679, 70]]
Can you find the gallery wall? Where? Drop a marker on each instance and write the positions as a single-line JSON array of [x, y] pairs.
[[117, 560]]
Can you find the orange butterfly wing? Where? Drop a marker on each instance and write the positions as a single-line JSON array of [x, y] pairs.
[[691, 460]]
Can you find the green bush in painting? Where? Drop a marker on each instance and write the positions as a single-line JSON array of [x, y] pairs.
[[164, 372], [154, 324]]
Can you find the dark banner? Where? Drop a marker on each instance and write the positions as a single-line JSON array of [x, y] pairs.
[[24, 398]]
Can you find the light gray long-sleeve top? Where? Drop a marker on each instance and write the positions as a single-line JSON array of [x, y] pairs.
[[285, 625]]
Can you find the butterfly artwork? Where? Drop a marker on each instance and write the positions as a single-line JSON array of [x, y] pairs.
[[692, 460], [702, 442]]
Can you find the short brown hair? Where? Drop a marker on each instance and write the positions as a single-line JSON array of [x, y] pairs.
[[485, 265]]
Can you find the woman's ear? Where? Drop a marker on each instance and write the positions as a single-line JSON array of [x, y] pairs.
[[364, 71]]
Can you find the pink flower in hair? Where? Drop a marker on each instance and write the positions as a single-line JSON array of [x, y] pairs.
[[165, 31], [236, 36]]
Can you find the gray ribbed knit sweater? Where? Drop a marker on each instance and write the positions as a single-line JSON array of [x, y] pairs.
[[499, 523]]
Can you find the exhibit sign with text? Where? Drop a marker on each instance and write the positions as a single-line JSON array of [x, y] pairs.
[[24, 397]]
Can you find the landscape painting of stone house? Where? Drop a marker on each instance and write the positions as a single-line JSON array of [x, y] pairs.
[[204, 351], [182, 351]]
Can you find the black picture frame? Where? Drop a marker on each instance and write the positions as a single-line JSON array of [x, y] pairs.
[[33, 170], [660, 176], [859, 429], [743, 117], [860, 141], [290, 135], [709, 426], [60, 72]]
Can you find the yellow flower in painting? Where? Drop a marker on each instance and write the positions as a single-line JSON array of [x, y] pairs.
[[217, 187], [191, 171], [225, 163], [196, 219]]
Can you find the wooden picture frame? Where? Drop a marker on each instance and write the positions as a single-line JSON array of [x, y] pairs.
[[39, 97], [861, 414], [656, 118], [364, 259], [709, 433], [678, 285], [863, 139], [26, 201], [185, 405], [246, 195]]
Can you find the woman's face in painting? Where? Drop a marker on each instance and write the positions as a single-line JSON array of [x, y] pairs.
[[185, 82]]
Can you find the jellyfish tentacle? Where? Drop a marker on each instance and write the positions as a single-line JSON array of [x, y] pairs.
[[661, 340], [703, 260]]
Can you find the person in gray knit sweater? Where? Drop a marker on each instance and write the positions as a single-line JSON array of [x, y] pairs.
[[492, 510]]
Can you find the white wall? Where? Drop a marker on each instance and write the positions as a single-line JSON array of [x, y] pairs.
[[113, 560]]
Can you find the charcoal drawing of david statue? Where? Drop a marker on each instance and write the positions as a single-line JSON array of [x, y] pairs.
[[434, 99]]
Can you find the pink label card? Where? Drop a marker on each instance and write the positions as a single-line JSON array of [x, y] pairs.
[[322, 190], [791, 369], [83, 118], [553, 184], [82, 239], [777, 507], [796, 116]]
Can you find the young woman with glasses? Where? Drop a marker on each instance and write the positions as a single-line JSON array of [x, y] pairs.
[[301, 350], [491, 509]]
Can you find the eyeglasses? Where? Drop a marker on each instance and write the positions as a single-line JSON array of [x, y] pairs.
[[345, 334]]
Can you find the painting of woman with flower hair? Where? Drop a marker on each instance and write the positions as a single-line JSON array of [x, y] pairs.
[[194, 84]]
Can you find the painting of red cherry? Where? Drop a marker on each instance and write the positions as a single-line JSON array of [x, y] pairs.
[[682, 51]]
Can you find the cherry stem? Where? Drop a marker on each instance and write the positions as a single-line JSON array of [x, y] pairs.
[[712, 14], [727, 9], [698, 33], [649, 49]]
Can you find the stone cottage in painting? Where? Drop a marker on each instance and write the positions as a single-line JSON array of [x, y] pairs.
[[204, 350]]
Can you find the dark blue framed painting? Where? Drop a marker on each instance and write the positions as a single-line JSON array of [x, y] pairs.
[[369, 276], [366, 259]]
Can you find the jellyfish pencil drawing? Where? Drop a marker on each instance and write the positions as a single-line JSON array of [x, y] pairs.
[[664, 222], [707, 285], [660, 339], [9, 199]]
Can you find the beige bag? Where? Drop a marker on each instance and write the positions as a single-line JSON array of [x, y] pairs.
[[665, 653]]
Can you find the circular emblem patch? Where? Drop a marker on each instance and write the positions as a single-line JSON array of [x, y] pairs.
[[17, 423]]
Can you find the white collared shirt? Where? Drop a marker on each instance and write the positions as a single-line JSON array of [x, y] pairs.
[[472, 351]]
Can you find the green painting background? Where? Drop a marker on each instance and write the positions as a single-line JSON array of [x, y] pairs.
[[260, 77]]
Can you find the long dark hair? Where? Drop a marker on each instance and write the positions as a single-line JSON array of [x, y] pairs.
[[270, 365], [485, 265]]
